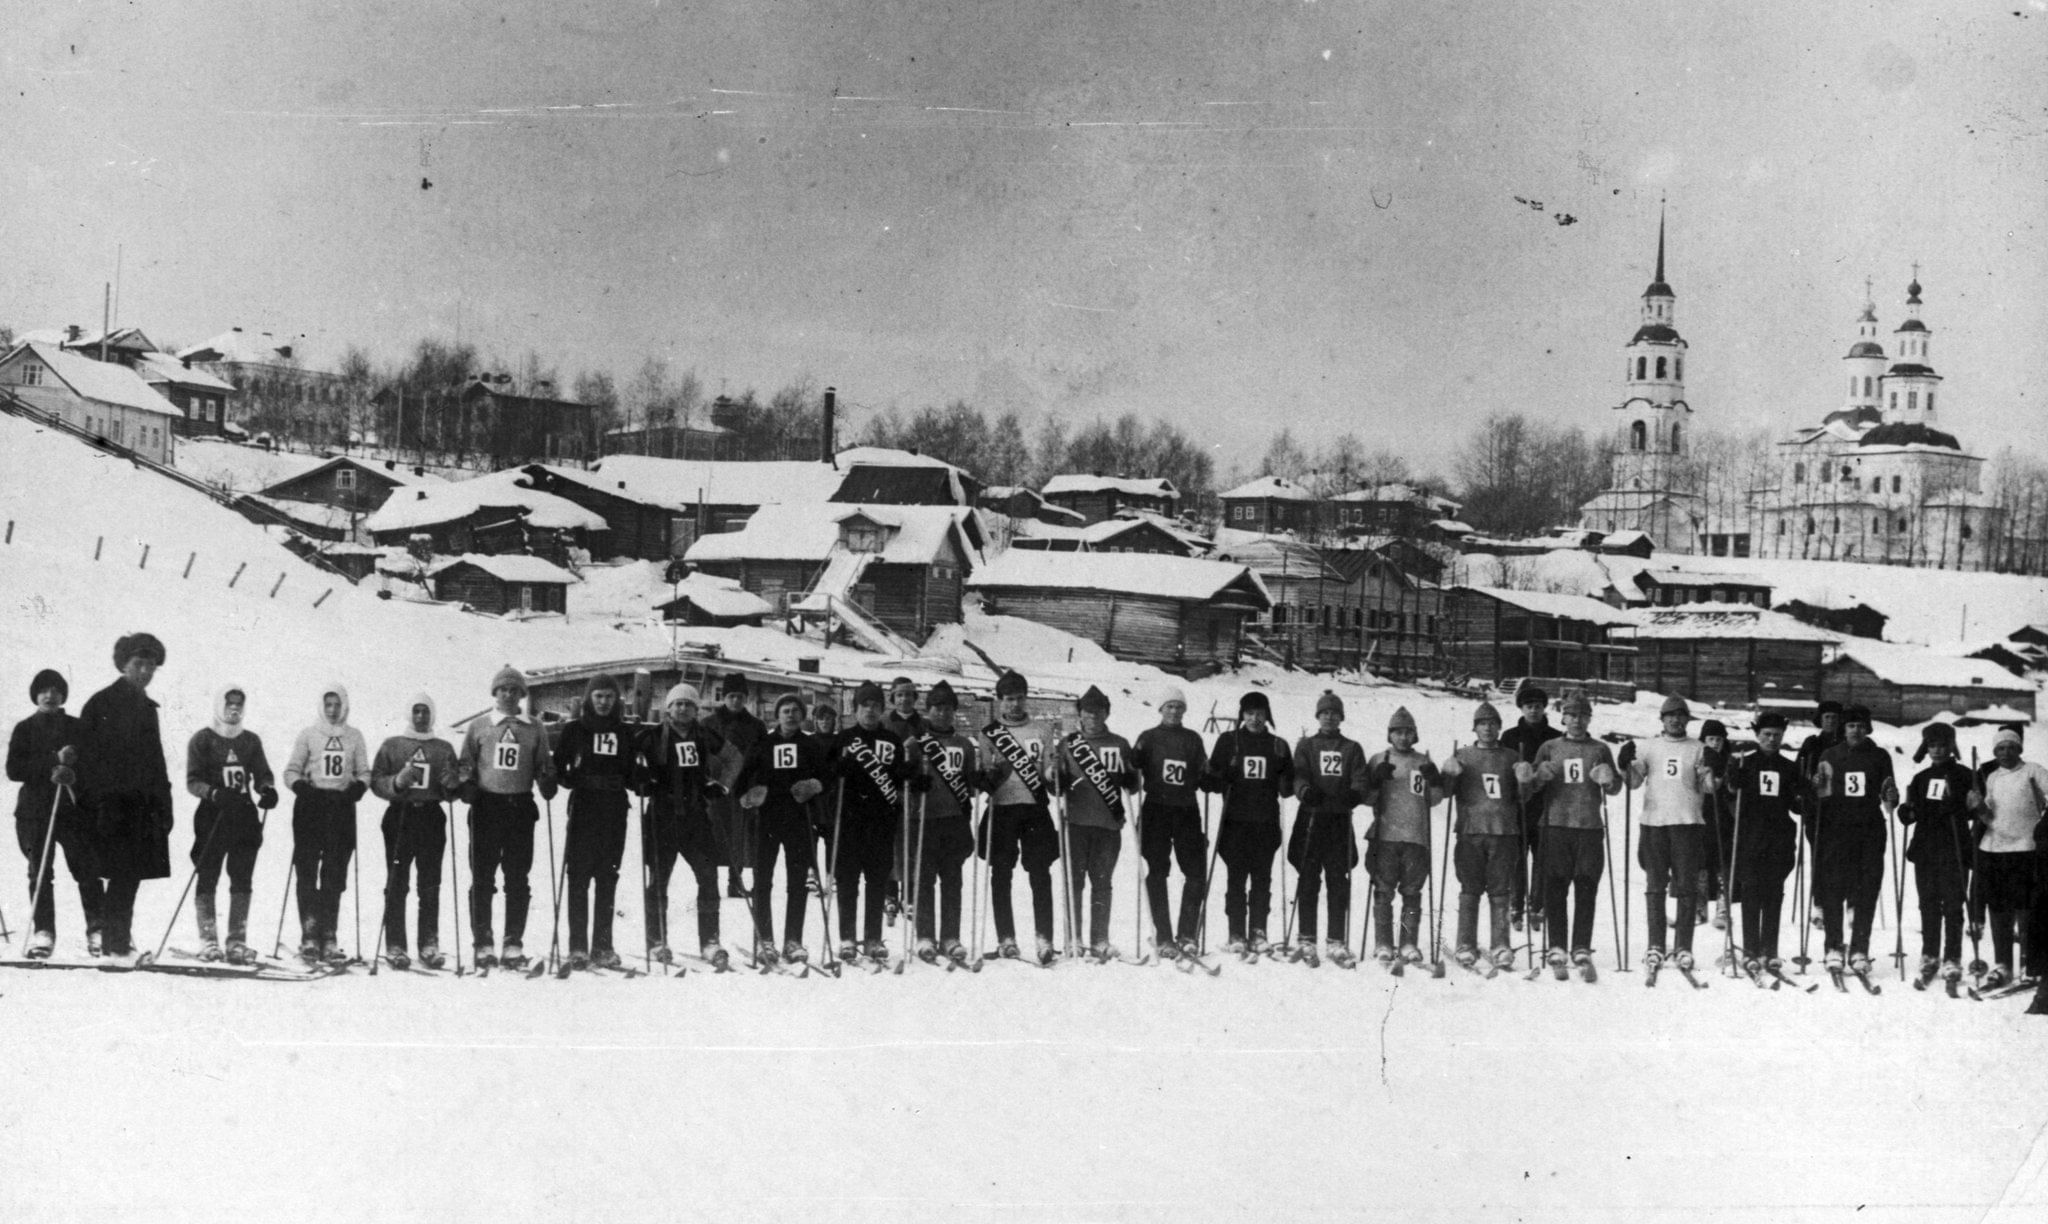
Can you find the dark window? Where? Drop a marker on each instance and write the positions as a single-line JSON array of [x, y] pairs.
[[1642, 368], [1660, 367], [1637, 436]]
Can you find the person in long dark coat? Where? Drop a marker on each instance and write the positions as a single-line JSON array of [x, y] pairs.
[[126, 784]]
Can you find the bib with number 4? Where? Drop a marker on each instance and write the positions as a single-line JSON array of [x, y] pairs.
[[1767, 784]]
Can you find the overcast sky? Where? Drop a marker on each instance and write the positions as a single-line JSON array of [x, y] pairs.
[[1238, 215]]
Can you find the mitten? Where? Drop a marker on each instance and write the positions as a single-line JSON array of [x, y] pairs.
[[1627, 756], [1525, 773], [548, 788], [266, 797], [754, 798], [1605, 775], [806, 790], [1381, 771], [63, 775], [1430, 773], [67, 755], [303, 789], [354, 791], [468, 793], [406, 778]]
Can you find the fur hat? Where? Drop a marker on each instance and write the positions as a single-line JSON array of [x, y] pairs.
[[795, 699], [1856, 714], [941, 694], [1401, 720], [1254, 700], [1674, 705], [1485, 714], [1576, 702], [681, 692], [1530, 694], [867, 692], [1011, 684], [1331, 703], [1826, 708], [1932, 734], [733, 682], [509, 675], [1768, 720], [1094, 700], [49, 678], [1713, 728], [137, 645]]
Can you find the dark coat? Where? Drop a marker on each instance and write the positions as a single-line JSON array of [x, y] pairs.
[[126, 782], [32, 755]]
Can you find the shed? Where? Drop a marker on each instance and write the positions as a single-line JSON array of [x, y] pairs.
[[1184, 615], [501, 512], [500, 584], [1098, 497], [1557, 640], [701, 599], [1729, 655], [1854, 620], [1903, 685], [345, 484], [883, 476]]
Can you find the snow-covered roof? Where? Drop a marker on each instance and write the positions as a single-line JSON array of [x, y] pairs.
[[1400, 493], [507, 567], [312, 514], [243, 347], [1077, 482], [426, 505], [1157, 574], [1683, 578], [810, 532], [682, 483], [1276, 488], [720, 597], [1278, 558], [164, 368], [1452, 526], [397, 473], [1193, 539], [889, 456], [1543, 603], [1689, 622], [97, 380], [1922, 668]]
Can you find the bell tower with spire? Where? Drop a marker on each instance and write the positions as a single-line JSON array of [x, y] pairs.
[[1655, 419], [1910, 384]]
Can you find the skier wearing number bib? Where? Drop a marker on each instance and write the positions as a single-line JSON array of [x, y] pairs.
[[1097, 802], [2015, 796], [784, 771], [1401, 785], [593, 759], [414, 772], [946, 839], [677, 771], [1253, 770], [1572, 774], [504, 756], [1329, 780], [1853, 784], [870, 759], [1768, 793], [1673, 770], [1938, 805], [1019, 826], [1169, 759], [226, 771], [1488, 853], [328, 771]]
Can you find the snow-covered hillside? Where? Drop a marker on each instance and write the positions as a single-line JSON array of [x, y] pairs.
[[1273, 1092]]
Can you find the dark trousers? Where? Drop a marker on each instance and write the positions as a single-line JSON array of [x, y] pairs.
[[1940, 887], [500, 839], [1021, 833], [1487, 864], [1403, 868], [1573, 860], [1528, 864], [323, 841], [1760, 914], [664, 836], [1323, 854], [216, 843], [414, 839], [1671, 856], [786, 833], [1849, 870], [591, 850], [74, 840], [1166, 834], [1247, 851], [867, 842], [1092, 853], [947, 843], [117, 913]]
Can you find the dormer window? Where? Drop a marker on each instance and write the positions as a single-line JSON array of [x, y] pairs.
[[31, 374], [862, 535], [345, 479]]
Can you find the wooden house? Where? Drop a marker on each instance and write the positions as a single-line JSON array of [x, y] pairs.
[[883, 476], [701, 599], [1672, 588], [1183, 615], [498, 513], [504, 583], [1386, 617], [1270, 504], [902, 565], [654, 509], [1392, 509], [104, 398], [1856, 620], [1117, 535], [1904, 685], [201, 396], [1560, 641], [1026, 505], [330, 500], [1100, 497], [1729, 655]]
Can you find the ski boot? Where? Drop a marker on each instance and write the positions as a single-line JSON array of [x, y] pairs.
[[397, 959], [1504, 958], [1189, 948], [240, 953], [795, 953], [1168, 950], [1560, 964], [849, 951], [1256, 946], [661, 955], [1237, 947], [765, 953], [93, 943], [1411, 955], [956, 952], [485, 958], [209, 940], [1999, 976], [1339, 952], [309, 951], [1008, 950], [876, 951], [1951, 971], [1104, 952], [1386, 955], [579, 962], [1859, 965], [606, 958], [928, 951], [513, 957], [715, 954], [330, 951], [44, 943], [1047, 954], [1582, 960], [1683, 959], [1468, 957], [430, 956]]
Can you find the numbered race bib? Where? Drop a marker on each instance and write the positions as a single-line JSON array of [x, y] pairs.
[[1767, 784], [1112, 759], [1331, 763], [1491, 783], [1175, 773], [604, 743], [1255, 769], [1854, 785], [785, 756], [506, 756], [1416, 785], [234, 778], [686, 754], [885, 751], [1574, 769], [331, 763], [1937, 789], [956, 757], [1670, 767]]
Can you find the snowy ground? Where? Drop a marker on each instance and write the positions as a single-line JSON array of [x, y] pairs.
[[1273, 1092]]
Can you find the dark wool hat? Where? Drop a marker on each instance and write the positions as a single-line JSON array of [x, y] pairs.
[[1674, 705], [867, 692], [509, 675], [1401, 720], [599, 683], [49, 679], [1712, 728], [795, 699], [941, 694], [1530, 694], [1768, 720], [825, 708], [1576, 702], [1255, 700], [1094, 699], [1486, 713], [1010, 684], [1331, 703], [1932, 734], [1856, 714], [733, 683], [137, 646], [1825, 708]]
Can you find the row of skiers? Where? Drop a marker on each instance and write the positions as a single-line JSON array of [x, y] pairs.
[[1530, 803]]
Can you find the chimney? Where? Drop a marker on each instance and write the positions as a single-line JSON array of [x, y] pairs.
[[73, 331], [829, 453]]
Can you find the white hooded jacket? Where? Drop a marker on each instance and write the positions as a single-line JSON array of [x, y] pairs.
[[329, 755]]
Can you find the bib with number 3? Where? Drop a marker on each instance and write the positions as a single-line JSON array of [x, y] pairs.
[[1854, 785]]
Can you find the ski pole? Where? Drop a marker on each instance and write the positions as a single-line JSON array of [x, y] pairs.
[[291, 874], [1972, 919], [356, 862], [1728, 886], [1138, 876], [394, 860], [35, 898], [1628, 896], [832, 872], [557, 868], [1066, 877], [817, 871], [454, 890], [974, 880], [1613, 910], [1301, 878], [1441, 885], [1208, 879], [204, 848], [903, 881], [1898, 896], [917, 898]]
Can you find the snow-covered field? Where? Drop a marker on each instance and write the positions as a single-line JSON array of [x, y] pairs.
[[1273, 1092]]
